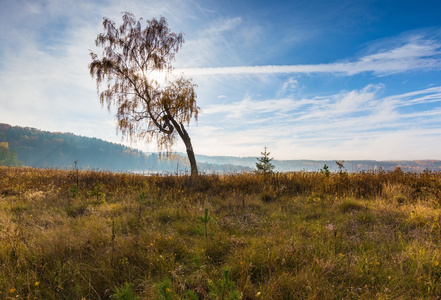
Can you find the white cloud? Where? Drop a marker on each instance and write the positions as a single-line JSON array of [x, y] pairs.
[[220, 26], [211, 45], [415, 54], [248, 107], [354, 124], [288, 87]]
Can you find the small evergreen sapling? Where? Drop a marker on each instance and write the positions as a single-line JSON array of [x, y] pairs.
[[264, 165], [325, 171], [205, 219]]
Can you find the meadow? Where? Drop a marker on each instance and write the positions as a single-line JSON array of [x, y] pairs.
[[303, 235]]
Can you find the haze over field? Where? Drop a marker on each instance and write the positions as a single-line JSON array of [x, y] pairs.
[[308, 79]]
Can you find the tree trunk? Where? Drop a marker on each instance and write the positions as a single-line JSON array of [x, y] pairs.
[[187, 141], [190, 153]]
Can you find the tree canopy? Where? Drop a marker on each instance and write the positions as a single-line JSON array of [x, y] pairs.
[[8, 157], [127, 72]]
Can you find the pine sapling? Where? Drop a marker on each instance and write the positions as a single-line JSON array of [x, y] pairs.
[[205, 219], [264, 165]]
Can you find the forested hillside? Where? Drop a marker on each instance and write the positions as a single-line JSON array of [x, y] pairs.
[[43, 149], [7, 157]]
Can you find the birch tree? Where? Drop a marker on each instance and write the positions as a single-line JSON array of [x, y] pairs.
[[134, 73]]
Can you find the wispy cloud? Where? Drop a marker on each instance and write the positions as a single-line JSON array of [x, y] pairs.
[[321, 125], [251, 107], [414, 54], [203, 47], [288, 87]]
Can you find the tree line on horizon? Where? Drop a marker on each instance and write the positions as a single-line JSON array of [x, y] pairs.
[[24, 146], [43, 149]]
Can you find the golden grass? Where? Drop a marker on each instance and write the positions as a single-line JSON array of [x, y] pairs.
[[289, 236]]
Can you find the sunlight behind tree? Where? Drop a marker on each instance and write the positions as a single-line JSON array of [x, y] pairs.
[[160, 77]]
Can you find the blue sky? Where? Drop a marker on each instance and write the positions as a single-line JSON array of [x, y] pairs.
[[308, 79]]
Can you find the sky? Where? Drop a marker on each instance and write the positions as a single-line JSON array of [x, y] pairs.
[[308, 79]]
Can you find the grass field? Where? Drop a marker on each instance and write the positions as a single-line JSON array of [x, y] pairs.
[[99, 235]]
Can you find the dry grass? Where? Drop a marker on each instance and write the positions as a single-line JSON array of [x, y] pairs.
[[289, 236]]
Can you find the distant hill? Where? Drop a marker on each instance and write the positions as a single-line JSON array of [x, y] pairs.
[[316, 165], [43, 149]]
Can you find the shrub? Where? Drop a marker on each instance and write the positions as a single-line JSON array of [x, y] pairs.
[[124, 293], [350, 205], [165, 291]]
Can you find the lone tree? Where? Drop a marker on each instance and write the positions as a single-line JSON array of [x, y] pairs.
[[264, 165], [129, 68]]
